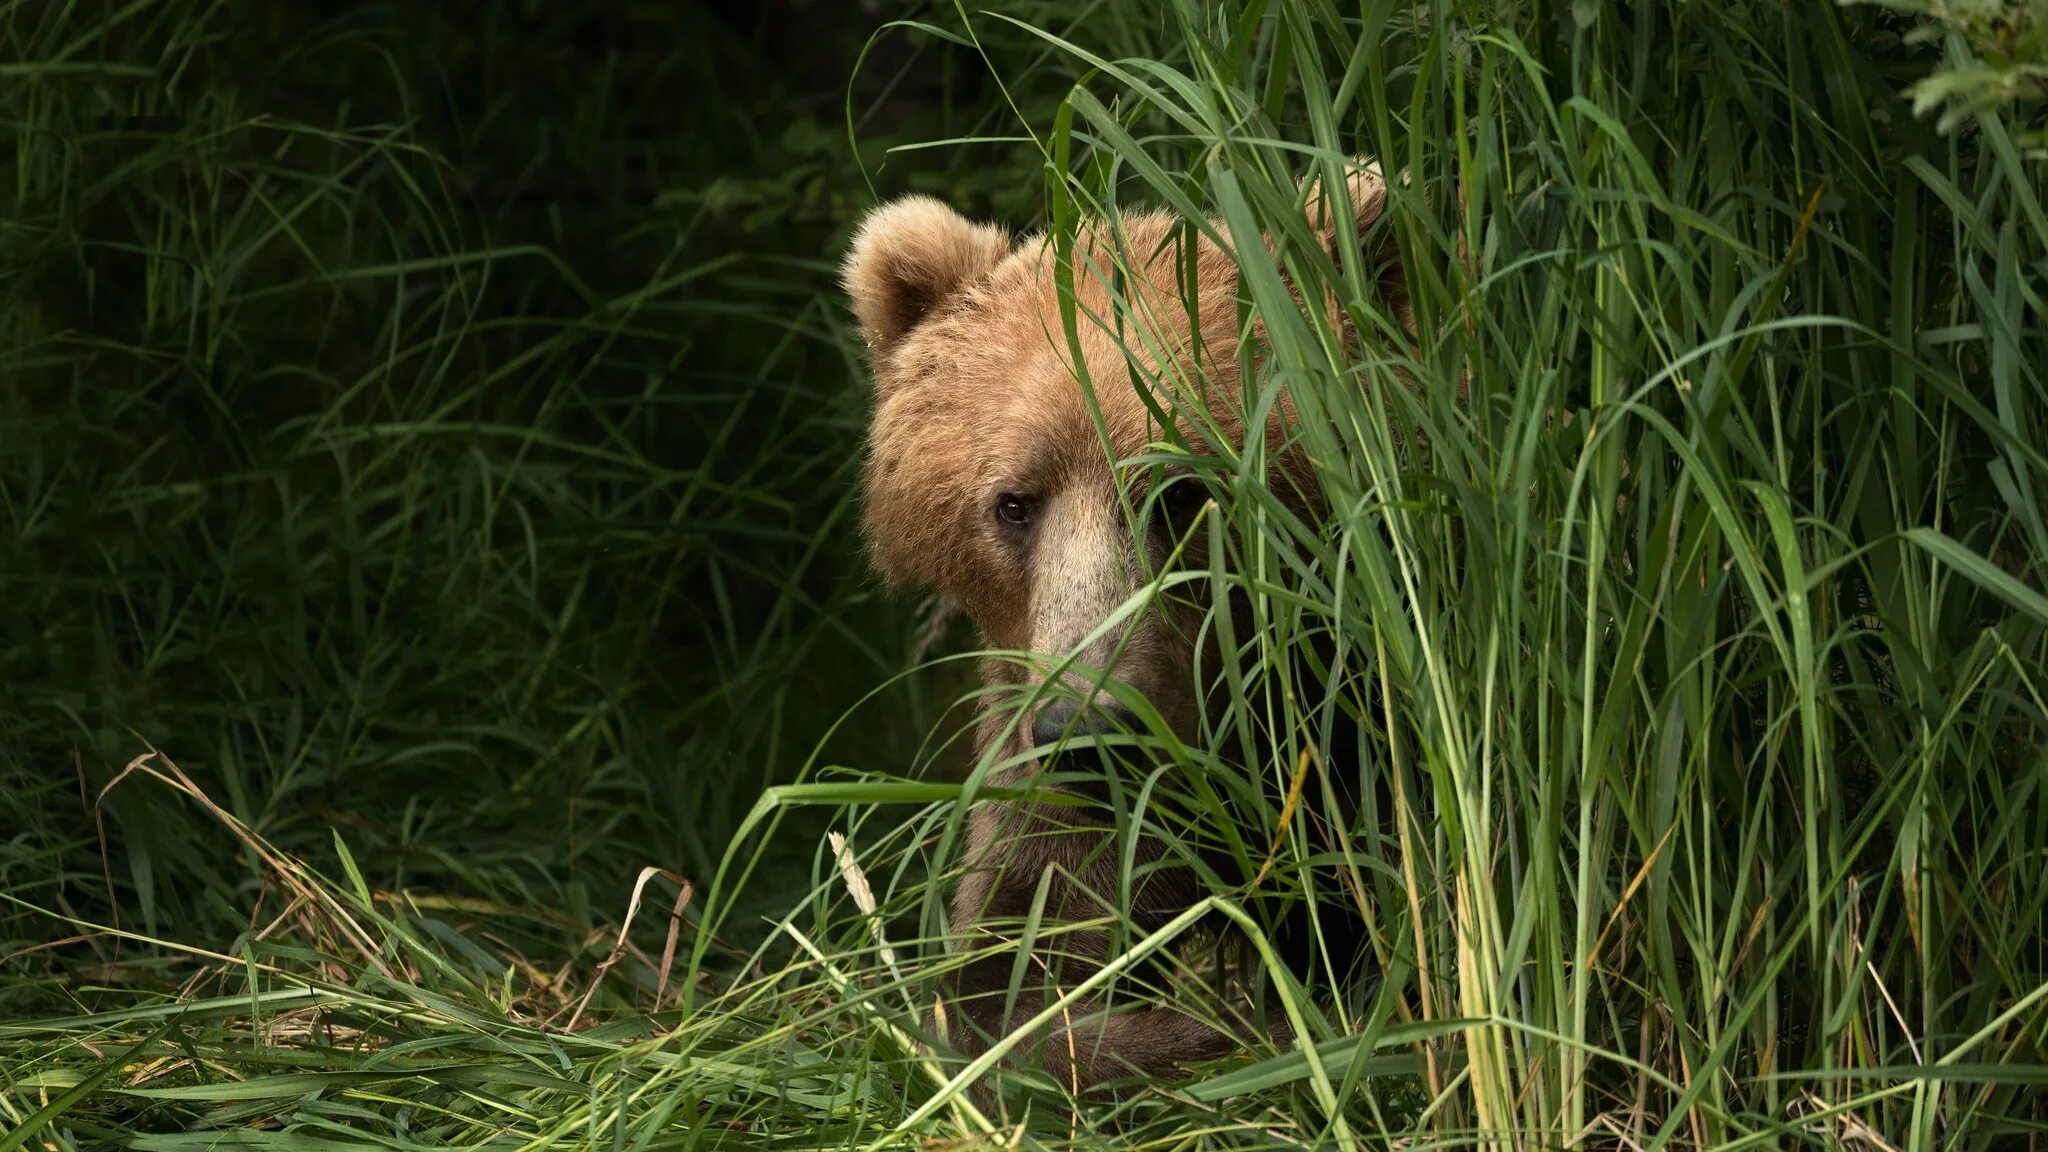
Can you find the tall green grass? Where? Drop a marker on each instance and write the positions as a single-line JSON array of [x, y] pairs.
[[1682, 571], [411, 429]]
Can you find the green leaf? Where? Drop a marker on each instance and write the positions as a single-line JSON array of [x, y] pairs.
[[1980, 572]]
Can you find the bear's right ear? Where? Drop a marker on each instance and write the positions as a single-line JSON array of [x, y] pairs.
[[909, 256]]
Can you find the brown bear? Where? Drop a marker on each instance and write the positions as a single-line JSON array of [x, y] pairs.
[[993, 476]]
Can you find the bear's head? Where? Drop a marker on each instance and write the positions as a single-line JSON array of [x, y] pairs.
[[999, 446]]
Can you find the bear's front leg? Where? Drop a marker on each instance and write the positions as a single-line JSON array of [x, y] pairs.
[[1013, 849]]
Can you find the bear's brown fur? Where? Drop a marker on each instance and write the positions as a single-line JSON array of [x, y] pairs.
[[988, 480]]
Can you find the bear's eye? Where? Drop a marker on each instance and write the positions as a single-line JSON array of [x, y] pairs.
[[1013, 509], [1181, 501]]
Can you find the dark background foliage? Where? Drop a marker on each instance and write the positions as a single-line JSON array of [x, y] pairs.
[[434, 425]]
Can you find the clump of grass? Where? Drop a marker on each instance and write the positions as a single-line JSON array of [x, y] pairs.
[[1682, 571], [395, 430], [1683, 568], [398, 429]]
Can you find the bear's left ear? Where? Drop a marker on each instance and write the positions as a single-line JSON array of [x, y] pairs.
[[1366, 188], [910, 256], [1367, 191]]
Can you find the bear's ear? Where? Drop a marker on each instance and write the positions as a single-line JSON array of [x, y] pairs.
[[1366, 189], [909, 256]]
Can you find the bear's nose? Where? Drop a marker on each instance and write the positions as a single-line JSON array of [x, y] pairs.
[[1059, 722]]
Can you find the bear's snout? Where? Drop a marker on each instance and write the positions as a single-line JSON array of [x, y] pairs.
[[1076, 731]]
